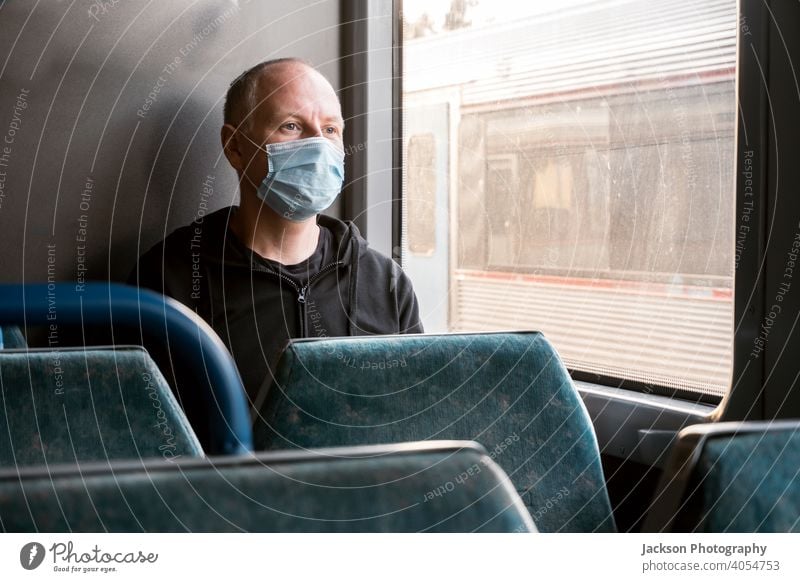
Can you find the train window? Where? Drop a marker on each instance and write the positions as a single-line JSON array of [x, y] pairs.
[[584, 161]]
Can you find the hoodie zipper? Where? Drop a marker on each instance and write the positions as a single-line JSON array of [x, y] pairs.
[[301, 294], [303, 291]]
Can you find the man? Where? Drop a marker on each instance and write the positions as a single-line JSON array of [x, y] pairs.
[[273, 268]]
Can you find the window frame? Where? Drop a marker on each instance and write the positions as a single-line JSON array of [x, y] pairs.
[[371, 97], [769, 107]]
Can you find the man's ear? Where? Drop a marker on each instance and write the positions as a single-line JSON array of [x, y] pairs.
[[230, 145]]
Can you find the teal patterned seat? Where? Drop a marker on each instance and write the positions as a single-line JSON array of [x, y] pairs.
[[400, 488], [11, 337], [731, 477], [82, 405], [508, 391]]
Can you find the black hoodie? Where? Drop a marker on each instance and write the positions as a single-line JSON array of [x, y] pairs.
[[255, 306]]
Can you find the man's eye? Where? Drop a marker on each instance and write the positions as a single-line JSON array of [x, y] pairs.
[[331, 130], [291, 126]]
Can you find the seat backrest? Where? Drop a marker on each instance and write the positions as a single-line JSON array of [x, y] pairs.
[[216, 393], [438, 487], [508, 391], [731, 477], [68, 405], [11, 337]]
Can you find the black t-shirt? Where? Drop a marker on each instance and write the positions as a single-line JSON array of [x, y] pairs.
[[304, 270]]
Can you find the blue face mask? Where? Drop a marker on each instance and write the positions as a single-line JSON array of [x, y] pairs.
[[304, 177]]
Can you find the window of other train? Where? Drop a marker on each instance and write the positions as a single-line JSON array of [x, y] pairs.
[[576, 164]]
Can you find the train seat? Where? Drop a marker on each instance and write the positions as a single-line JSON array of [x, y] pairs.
[[214, 387], [508, 391], [731, 477], [73, 405], [11, 338], [364, 489]]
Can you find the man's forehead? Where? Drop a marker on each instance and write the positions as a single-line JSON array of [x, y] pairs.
[[295, 89]]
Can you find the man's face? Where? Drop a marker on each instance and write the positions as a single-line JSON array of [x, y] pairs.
[[294, 102]]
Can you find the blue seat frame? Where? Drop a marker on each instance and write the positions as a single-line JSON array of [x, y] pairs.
[[107, 304]]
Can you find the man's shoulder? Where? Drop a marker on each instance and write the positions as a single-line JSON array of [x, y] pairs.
[[375, 266], [345, 232], [369, 254]]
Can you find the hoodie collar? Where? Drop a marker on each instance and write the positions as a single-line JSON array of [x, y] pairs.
[[219, 243]]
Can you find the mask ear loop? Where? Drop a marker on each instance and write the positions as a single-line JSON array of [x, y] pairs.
[[262, 148]]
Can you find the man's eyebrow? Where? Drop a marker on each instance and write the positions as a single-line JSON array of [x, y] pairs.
[[281, 115]]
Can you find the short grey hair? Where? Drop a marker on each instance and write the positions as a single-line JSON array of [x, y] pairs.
[[240, 100]]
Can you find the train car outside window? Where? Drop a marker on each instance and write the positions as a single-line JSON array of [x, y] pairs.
[[583, 155], [421, 193]]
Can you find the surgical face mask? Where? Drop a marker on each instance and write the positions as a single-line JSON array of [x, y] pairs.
[[304, 177]]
